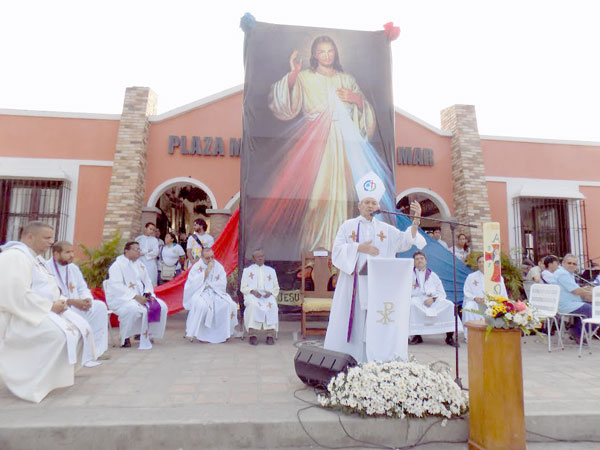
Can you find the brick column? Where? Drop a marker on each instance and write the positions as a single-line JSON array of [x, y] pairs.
[[218, 220], [471, 204], [128, 180]]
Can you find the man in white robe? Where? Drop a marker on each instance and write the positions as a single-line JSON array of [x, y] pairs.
[[149, 250], [212, 313], [79, 298], [129, 292], [40, 338], [260, 288], [430, 311], [358, 239], [474, 294]]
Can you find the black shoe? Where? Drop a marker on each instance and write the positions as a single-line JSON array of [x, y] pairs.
[[450, 341], [416, 339], [270, 340], [126, 344], [253, 340]]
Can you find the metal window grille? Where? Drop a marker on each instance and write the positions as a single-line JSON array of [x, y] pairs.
[[549, 226], [22, 201]]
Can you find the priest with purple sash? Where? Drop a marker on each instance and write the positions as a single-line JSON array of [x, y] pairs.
[[357, 240], [129, 293]]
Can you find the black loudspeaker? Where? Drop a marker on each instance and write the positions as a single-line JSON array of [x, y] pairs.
[[315, 366]]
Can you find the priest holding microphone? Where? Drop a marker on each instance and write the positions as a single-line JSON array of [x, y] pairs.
[[358, 240]]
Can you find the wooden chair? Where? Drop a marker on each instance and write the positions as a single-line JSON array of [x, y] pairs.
[[316, 303]]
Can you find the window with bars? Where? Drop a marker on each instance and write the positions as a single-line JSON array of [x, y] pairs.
[[549, 226], [22, 201]]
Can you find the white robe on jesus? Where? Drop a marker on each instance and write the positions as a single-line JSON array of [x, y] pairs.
[[72, 285], [474, 285], [126, 279], [149, 249], [260, 313], [212, 313], [434, 319], [38, 348], [345, 256]]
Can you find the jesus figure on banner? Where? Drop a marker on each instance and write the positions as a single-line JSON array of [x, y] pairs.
[[357, 240], [331, 149]]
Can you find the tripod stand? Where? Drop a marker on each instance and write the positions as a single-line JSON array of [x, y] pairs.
[[453, 224]]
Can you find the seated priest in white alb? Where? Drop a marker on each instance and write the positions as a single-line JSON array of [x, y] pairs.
[[79, 298], [212, 313], [130, 295], [358, 239], [260, 288], [41, 339], [474, 295], [430, 311]]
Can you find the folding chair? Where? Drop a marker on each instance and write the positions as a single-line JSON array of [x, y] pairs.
[[544, 298], [594, 320]]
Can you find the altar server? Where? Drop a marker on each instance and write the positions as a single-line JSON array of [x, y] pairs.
[[130, 295], [40, 338], [212, 313], [79, 298], [149, 251], [356, 240], [474, 294], [430, 311], [260, 288]]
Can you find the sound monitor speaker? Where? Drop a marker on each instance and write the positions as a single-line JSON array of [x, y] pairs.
[[315, 366]]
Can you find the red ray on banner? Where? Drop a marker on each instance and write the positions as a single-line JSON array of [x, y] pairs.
[[226, 252]]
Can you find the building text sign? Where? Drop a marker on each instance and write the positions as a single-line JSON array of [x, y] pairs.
[[207, 146], [414, 156]]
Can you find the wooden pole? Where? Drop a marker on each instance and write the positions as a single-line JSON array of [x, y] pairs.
[[497, 416]]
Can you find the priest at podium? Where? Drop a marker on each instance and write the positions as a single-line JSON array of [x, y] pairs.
[[357, 240]]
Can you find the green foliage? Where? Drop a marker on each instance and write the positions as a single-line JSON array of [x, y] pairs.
[[95, 268], [511, 273], [233, 283]]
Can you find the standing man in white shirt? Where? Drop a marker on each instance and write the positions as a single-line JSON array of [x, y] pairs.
[[197, 241], [149, 251], [437, 236], [260, 288], [72, 285]]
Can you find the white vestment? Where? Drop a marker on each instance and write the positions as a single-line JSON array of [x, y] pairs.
[[346, 258], [434, 319], [212, 313], [474, 285], [149, 249], [38, 348], [72, 285], [260, 312], [126, 279]]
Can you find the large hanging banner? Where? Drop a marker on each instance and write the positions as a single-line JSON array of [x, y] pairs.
[[317, 116]]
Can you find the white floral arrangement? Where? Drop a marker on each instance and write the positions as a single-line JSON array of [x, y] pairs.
[[396, 389]]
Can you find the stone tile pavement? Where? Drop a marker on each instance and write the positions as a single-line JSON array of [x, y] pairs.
[[178, 382]]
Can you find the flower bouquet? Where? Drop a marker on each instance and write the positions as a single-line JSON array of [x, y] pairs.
[[396, 389], [501, 312]]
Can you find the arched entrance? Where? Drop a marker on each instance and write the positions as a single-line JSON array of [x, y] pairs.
[[433, 206], [181, 201]]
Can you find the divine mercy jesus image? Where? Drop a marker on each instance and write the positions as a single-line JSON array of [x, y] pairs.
[[328, 147]]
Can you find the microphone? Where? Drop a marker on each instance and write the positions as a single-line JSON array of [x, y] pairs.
[[377, 211]]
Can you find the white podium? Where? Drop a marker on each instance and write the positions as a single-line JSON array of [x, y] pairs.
[[389, 291]]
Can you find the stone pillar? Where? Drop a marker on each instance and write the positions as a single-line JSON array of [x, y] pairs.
[[128, 180], [218, 219], [471, 203]]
